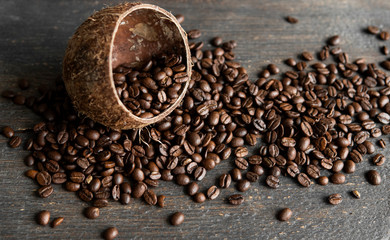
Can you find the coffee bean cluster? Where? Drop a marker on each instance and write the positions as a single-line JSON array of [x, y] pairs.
[[316, 117], [149, 91]]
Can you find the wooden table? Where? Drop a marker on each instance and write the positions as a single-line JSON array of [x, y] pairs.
[[33, 36]]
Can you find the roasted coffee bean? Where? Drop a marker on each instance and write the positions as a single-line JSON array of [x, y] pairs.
[[284, 214], [373, 177], [335, 199], [177, 218], [182, 179], [15, 142], [304, 180], [150, 197], [56, 222], [379, 159], [139, 190], [273, 181], [92, 212], [236, 199], [192, 188], [373, 30], [213, 192], [45, 191], [356, 194], [384, 35], [382, 143], [199, 197], [43, 218], [225, 180], [241, 163], [110, 233], [313, 171], [335, 40], [43, 178], [243, 185], [193, 34], [323, 180], [337, 178], [291, 20], [337, 166], [349, 166], [8, 132], [161, 201]]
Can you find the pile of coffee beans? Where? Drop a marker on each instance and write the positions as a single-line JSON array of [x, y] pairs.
[[149, 91], [317, 117]]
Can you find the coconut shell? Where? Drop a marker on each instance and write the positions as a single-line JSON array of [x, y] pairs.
[[127, 33]]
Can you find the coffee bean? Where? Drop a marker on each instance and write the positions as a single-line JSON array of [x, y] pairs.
[[335, 199], [379, 159], [313, 171], [373, 177], [43, 218], [150, 197], [241, 152], [43, 178], [373, 30], [323, 180], [182, 179], [384, 36], [235, 199], [92, 212], [45, 191], [110, 233], [243, 185], [199, 197], [161, 201], [225, 180], [284, 214], [382, 143], [304, 180], [349, 166], [177, 218], [291, 20], [337, 178], [307, 56], [213, 192], [337, 166], [356, 194], [15, 142], [56, 222], [273, 181], [335, 40], [8, 132], [192, 188], [139, 190], [193, 34]]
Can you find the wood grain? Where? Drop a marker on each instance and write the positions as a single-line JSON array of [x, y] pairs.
[[33, 37]]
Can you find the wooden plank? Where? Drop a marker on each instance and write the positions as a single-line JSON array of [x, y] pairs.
[[33, 39]]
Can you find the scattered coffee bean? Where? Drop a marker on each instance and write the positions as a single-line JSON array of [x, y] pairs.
[[335, 199], [236, 199], [15, 141], [8, 132], [384, 36], [291, 20], [373, 177], [180, 18], [161, 201], [379, 159], [356, 194], [43, 218], [110, 233], [373, 30], [199, 197], [323, 180], [193, 34], [337, 178], [335, 40], [284, 214], [177, 218], [213, 192], [92, 212], [382, 143], [56, 222]]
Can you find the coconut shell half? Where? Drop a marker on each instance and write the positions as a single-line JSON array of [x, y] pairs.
[[127, 33]]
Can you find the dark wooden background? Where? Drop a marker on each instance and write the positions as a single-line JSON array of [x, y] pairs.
[[33, 36]]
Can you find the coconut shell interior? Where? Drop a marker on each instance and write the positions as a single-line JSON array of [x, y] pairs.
[[143, 34]]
